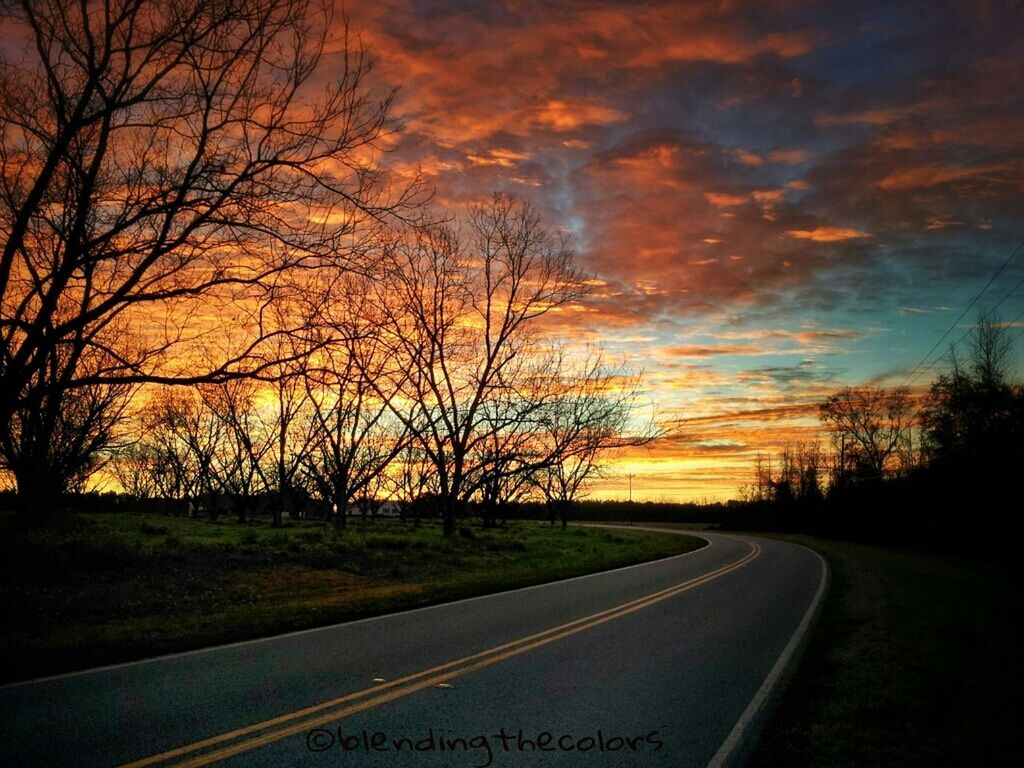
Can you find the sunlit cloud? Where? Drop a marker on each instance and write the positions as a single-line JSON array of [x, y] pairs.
[[826, 234], [568, 115], [932, 175]]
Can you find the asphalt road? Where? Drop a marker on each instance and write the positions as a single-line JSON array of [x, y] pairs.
[[648, 665]]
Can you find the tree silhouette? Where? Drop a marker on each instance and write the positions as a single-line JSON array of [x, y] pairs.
[[592, 415], [351, 387], [870, 427], [173, 165], [973, 417], [462, 321]]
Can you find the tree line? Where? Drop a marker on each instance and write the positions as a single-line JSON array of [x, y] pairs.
[[433, 384], [211, 285], [956, 447]]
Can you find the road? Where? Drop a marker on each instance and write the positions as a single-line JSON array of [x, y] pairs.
[[664, 663]]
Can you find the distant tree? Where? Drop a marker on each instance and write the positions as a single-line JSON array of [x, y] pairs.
[[137, 469], [240, 461], [411, 480], [760, 488], [289, 402], [189, 437], [795, 475], [351, 389], [974, 413], [809, 472], [870, 427], [594, 415]]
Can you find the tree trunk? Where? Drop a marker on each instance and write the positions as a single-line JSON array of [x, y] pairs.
[[339, 511], [242, 508], [38, 497], [488, 515], [448, 514]]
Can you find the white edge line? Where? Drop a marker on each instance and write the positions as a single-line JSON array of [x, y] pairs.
[[311, 630], [739, 731]]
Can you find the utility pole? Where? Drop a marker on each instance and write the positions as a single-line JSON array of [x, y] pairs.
[[630, 476]]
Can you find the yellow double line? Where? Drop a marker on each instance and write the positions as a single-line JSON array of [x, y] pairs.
[[268, 731]]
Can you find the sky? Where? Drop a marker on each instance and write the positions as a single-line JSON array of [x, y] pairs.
[[773, 200]]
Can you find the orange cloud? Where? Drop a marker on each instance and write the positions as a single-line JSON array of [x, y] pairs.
[[696, 350], [724, 201], [826, 234], [506, 158], [748, 158], [788, 156], [570, 114], [877, 117], [933, 175], [774, 414]]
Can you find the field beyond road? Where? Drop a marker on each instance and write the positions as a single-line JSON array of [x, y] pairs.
[[105, 588], [914, 661]]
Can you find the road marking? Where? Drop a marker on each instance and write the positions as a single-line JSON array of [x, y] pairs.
[[739, 731], [267, 731]]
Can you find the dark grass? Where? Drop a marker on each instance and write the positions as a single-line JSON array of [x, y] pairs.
[[102, 588], [913, 662]]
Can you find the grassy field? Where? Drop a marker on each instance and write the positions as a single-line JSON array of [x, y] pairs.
[[912, 663], [112, 587]]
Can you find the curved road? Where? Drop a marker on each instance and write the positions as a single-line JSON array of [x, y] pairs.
[[664, 663]]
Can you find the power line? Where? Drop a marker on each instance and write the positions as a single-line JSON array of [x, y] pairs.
[[968, 332], [1008, 294], [914, 374], [1018, 317]]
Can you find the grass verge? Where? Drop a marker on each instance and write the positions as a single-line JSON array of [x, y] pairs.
[[104, 588], [912, 662]]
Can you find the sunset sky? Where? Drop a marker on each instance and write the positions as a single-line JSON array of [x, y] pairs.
[[774, 199]]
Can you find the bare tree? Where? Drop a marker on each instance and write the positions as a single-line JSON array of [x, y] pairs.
[[288, 401], [989, 354], [247, 439], [54, 439], [411, 479], [794, 475], [138, 470], [173, 165], [351, 388], [189, 436], [510, 454], [462, 316], [973, 412], [870, 427], [594, 414]]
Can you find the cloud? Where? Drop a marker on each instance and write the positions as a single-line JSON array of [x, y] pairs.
[[695, 350], [932, 174], [774, 414], [570, 114], [788, 156], [720, 200], [826, 234]]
